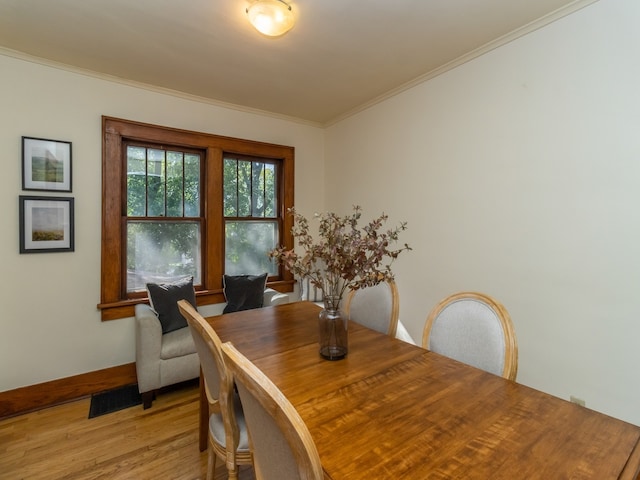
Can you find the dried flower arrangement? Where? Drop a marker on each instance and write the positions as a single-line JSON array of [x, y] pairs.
[[345, 255]]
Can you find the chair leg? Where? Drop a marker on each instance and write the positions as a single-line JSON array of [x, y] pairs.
[[147, 399], [233, 474], [211, 463]]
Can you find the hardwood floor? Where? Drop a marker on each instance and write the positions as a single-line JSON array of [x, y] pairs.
[[62, 443]]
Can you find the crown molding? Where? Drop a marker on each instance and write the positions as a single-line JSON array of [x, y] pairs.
[[151, 88]]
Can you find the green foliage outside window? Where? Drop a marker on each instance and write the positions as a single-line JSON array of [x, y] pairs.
[[161, 252], [250, 207], [249, 188], [162, 184], [167, 184]]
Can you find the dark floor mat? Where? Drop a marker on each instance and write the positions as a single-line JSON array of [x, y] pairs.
[[114, 400]]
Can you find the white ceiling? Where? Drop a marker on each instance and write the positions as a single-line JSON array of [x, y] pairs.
[[341, 56]]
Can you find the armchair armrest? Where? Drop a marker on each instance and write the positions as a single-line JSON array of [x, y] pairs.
[[148, 345], [273, 297]]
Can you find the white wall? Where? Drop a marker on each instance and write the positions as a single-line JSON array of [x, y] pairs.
[[51, 327], [519, 175]]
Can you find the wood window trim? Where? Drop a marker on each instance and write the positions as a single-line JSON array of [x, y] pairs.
[[114, 130]]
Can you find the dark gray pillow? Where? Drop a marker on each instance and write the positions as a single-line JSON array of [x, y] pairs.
[[244, 292], [164, 301]]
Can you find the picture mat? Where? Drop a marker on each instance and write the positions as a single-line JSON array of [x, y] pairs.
[[46, 224], [46, 164]]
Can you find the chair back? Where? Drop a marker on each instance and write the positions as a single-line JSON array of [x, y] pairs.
[[281, 443], [475, 329], [218, 381], [376, 307], [309, 292]]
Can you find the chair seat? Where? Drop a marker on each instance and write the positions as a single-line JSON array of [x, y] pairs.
[[216, 426], [403, 334], [177, 344]]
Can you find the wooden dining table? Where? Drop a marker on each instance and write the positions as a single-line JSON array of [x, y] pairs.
[[393, 410]]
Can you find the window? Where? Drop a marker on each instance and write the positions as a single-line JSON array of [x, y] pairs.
[[250, 215], [163, 222], [179, 203]]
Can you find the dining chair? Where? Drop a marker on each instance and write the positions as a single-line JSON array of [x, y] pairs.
[[228, 438], [475, 329], [376, 307], [309, 292], [280, 440]]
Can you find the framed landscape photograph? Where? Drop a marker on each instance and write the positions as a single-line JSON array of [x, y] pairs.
[[46, 224], [46, 165]]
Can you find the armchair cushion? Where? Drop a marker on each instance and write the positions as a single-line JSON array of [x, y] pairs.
[[244, 292], [164, 302], [176, 344]]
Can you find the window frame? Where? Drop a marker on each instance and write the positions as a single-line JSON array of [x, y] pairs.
[[114, 303]]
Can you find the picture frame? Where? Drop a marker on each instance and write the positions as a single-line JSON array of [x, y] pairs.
[[46, 165], [46, 224]]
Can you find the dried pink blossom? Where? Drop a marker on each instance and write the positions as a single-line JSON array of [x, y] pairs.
[[345, 255]]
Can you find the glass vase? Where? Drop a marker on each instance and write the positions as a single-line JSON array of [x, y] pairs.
[[333, 330]]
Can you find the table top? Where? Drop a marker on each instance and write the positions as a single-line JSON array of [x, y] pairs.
[[395, 410]]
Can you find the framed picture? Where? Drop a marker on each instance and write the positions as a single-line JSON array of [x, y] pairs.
[[46, 224], [46, 165]]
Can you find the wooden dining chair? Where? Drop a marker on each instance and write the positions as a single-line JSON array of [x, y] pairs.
[[475, 329], [228, 438], [281, 443], [376, 307]]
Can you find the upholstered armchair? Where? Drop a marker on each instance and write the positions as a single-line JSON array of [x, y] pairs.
[[170, 358]]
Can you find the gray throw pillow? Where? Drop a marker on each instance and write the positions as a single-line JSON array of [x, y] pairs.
[[244, 292], [164, 302]]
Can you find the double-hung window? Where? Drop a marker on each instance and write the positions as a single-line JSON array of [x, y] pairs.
[[250, 215], [178, 203], [163, 215]]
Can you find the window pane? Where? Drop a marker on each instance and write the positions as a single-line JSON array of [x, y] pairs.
[[230, 188], [191, 185], [136, 181], [258, 190], [250, 189], [155, 183], [247, 246], [244, 188], [174, 184], [270, 207], [161, 252]]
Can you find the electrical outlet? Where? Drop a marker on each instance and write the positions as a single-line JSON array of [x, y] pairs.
[[577, 401]]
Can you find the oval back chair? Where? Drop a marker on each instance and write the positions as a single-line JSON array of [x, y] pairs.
[[475, 329], [376, 307], [280, 440], [228, 438]]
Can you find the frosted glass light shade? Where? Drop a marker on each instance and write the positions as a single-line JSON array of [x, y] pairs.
[[271, 17]]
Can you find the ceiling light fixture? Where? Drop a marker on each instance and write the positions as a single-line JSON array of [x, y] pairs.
[[271, 17]]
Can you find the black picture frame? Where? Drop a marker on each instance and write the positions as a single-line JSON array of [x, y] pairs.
[[46, 165], [46, 224]]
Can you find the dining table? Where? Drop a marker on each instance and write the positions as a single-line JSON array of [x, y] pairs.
[[394, 410]]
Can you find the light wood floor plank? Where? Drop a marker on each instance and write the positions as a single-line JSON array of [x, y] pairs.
[[61, 443]]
